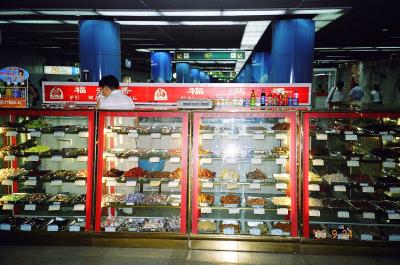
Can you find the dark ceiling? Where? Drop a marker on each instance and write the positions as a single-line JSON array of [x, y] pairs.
[[366, 23]]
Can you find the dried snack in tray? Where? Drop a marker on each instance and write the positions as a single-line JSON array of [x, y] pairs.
[[230, 199], [35, 198], [385, 205], [205, 173], [155, 129], [13, 221], [135, 172], [61, 197], [313, 177], [155, 199], [386, 152], [207, 128], [11, 172], [256, 201], [335, 178], [113, 221], [207, 226], [206, 198], [36, 124], [154, 225], [362, 205], [314, 203], [36, 223], [12, 197], [281, 126], [80, 199], [38, 149], [280, 150], [259, 225], [369, 230], [165, 130], [136, 198], [115, 198], [256, 174], [82, 151], [335, 203], [205, 151], [114, 173], [63, 175], [81, 173], [235, 226], [174, 152], [176, 174], [228, 174], [362, 180], [285, 227], [62, 223], [281, 201], [158, 174], [388, 180]]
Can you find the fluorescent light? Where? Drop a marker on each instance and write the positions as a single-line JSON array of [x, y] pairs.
[[16, 12], [142, 50], [389, 47], [235, 12], [36, 21], [129, 38], [147, 44], [4, 22], [211, 23], [73, 22], [327, 48], [191, 13], [350, 48], [130, 13], [371, 50], [315, 11], [144, 23], [330, 17], [67, 12]]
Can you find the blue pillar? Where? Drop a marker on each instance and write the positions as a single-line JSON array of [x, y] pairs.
[[247, 73], [240, 77], [99, 48], [260, 63], [161, 67], [195, 75], [202, 77], [292, 51], [183, 73]]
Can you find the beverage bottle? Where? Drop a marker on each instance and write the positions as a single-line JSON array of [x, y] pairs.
[[296, 98], [262, 98], [269, 100], [16, 93], [252, 99], [290, 101]]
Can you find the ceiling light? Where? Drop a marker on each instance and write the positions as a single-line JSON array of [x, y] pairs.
[[315, 11], [144, 23], [4, 22], [147, 44], [129, 38], [130, 13], [68, 12], [271, 12], [350, 48], [211, 23], [16, 12], [36, 21], [327, 48], [191, 13], [73, 22], [142, 50], [388, 47]]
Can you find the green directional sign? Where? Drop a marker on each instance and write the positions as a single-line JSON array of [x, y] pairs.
[[222, 74], [206, 55]]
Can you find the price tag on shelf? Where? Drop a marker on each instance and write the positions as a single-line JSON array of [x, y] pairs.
[[276, 232], [393, 216], [368, 215], [110, 229], [231, 161], [232, 186], [133, 135], [52, 228], [80, 183], [281, 161], [384, 133], [9, 158], [282, 211], [322, 136], [175, 159], [348, 132], [256, 161], [59, 134], [173, 184], [56, 158], [258, 136], [339, 188], [133, 159], [112, 134], [56, 183], [83, 134], [5, 227], [35, 134], [229, 231], [387, 137], [233, 210], [259, 211], [366, 237], [154, 159], [8, 207], [54, 207], [388, 164], [130, 183], [11, 133], [368, 189], [313, 187], [74, 228], [176, 135], [30, 207], [82, 159], [350, 137], [208, 136], [133, 131], [255, 186], [318, 162], [7, 182], [205, 210], [281, 186], [155, 183], [111, 158], [394, 237], [111, 183], [280, 136], [255, 231], [26, 227], [30, 182], [314, 213], [204, 161], [394, 189], [203, 204], [79, 207], [155, 135], [353, 163], [33, 158], [207, 185], [233, 137], [343, 214]]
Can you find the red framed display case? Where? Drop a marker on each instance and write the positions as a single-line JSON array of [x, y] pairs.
[[351, 175], [142, 171], [46, 176], [244, 173]]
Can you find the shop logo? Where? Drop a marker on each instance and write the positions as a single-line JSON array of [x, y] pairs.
[[160, 94], [56, 93]]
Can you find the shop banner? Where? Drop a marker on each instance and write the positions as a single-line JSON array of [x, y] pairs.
[[13, 74], [12, 103], [168, 93], [61, 70]]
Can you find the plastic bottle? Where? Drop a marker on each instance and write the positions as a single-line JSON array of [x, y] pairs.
[[296, 98], [252, 99], [290, 101], [262, 98]]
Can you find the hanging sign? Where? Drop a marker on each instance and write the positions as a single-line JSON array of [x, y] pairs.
[[13, 74]]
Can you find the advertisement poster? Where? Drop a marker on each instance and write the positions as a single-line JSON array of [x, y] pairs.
[[13, 74]]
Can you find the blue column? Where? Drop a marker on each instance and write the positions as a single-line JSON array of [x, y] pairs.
[[247, 71], [292, 51], [99, 48], [183, 73], [202, 77], [195, 75], [161, 67], [240, 77], [260, 63]]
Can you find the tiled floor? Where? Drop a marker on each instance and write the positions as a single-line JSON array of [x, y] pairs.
[[25, 255]]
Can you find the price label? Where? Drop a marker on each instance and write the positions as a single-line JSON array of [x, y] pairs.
[[318, 162], [74, 228], [111, 158], [154, 159], [339, 188], [26, 227], [229, 231], [259, 211], [173, 184], [133, 131], [52, 228], [9, 158], [231, 161], [350, 137], [232, 186], [11, 133], [255, 186], [281, 186], [133, 159], [280, 136], [30, 207], [368, 189], [343, 214], [256, 161], [33, 158], [255, 231], [54, 207], [82, 159], [205, 161], [322, 136], [313, 187], [203, 204], [83, 134], [5, 227], [59, 134], [394, 189], [276, 232], [258, 136], [233, 210], [130, 183], [133, 135], [176, 135], [314, 213], [393, 216], [155, 135], [353, 163], [110, 229], [233, 137], [282, 211], [281, 161], [394, 237], [7, 182], [111, 183], [80, 183], [348, 132], [155, 183], [175, 160], [30, 182], [8, 207], [366, 237], [56, 183], [35, 134], [56, 158], [79, 207], [208, 136], [206, 210], [388, 164], [387, 137], [368, 215], [112, 134], [207, 185]]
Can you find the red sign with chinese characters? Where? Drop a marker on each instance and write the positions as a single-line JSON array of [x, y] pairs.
[[142, 93], [12, 103]]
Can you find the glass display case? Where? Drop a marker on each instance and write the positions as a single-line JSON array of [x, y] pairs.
[[244, 173], [142, 172], [46, 159], [351, 176]]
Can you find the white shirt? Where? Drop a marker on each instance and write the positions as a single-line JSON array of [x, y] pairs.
[[334, 95], [117, 100], [376, 96]]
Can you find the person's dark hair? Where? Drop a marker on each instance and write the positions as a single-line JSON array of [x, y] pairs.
[[376, 87], [340, 84], [109, 81]]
